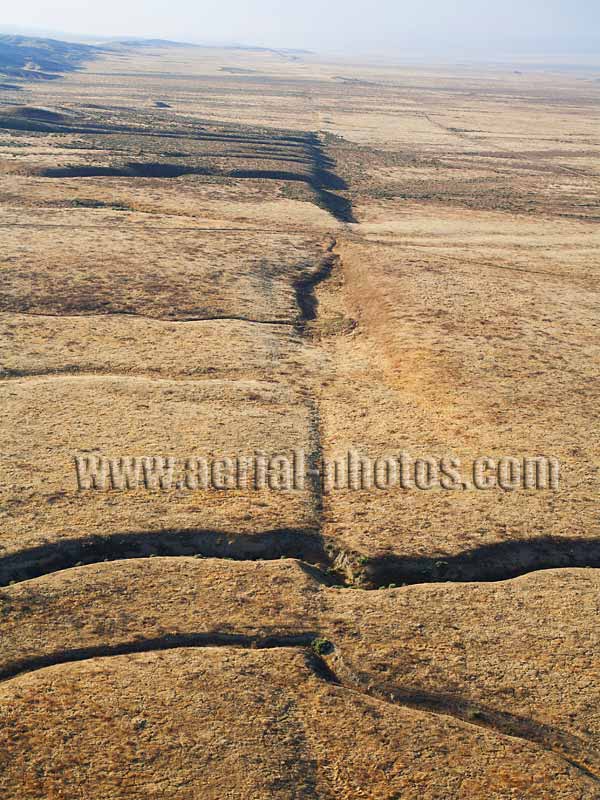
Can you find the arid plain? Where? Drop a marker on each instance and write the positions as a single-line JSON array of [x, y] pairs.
[[214, 252]]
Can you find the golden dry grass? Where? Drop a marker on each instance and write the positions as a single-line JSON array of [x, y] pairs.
[[456, 314], [247, 724]]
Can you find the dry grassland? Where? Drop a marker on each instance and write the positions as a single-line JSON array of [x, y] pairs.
[[217, 252]]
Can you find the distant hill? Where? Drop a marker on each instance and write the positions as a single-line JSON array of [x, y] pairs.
[[41, 59], [36, 58], [141, 42]]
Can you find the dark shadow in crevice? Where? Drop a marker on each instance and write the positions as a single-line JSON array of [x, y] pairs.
[[175, 641], [338, 206], [496, 562], [573, 749], [262, 174], [305, 287], [304, 545], [325, 183], [307, 149], [147, 170]]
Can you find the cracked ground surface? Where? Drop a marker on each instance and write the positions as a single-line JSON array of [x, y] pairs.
[[313, 257]]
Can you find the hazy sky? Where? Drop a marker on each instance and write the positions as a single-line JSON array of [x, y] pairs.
[[331, 25]]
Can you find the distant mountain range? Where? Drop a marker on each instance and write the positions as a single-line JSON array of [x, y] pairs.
[[41, 59], [34, 58]]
